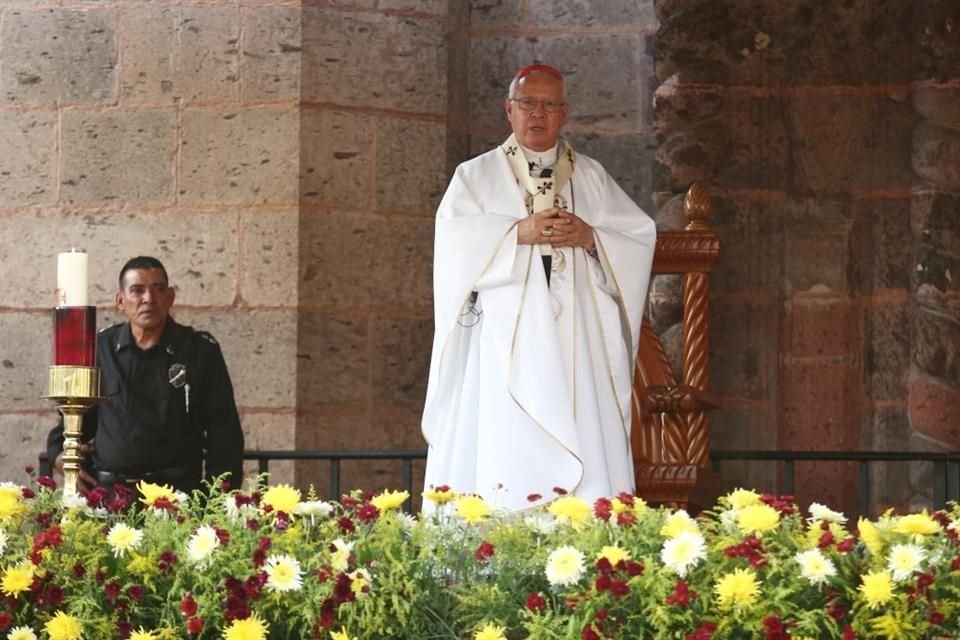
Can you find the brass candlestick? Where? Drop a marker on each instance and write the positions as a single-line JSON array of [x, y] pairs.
[[73, 389]]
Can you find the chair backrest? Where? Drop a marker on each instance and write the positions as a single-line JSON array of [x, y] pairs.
[[670, 435]]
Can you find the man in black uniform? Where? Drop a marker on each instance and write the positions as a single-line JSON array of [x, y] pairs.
[[168, 408]]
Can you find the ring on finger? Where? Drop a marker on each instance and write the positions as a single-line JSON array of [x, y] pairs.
[[547, 232]]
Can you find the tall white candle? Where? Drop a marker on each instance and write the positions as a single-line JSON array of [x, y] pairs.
[[72, 279]]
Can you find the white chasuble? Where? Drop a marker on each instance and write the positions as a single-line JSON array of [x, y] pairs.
[[530, 383]]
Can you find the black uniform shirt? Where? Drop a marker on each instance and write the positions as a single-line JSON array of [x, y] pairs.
[[166, 407]]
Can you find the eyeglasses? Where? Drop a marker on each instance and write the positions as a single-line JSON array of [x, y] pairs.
[[529, 104]]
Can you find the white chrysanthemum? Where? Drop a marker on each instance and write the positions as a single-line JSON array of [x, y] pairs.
[[340, 556], [541, 523], [21, 633], [565, 566], [123, 538], [313, 509], [406, 520], [815, 567], [682, 552], [360, 582], [820, 513], [905, 560], [283, 573], [74, 501], [243, 512], [728, 519], [202, 544]]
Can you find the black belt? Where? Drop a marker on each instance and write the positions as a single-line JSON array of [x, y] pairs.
[[159, 475]]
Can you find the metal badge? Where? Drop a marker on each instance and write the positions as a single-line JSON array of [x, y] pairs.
[[178, 375]]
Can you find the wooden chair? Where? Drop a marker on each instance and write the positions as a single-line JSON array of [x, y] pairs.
[[670, 434]]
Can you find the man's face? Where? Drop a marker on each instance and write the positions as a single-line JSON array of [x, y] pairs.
[[537, 129], [145, 298]]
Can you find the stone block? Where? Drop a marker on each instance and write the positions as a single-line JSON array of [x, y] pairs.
[[595, 98], [270, 63], [939, 104], [880, 258], [936, 345], [260, 349], [934, 408], [411, 165], [628, 158], [27, 353], [401, 362], [821, 406], [269, 250], [886, 351], [333, 361], [491, 14], [270, 431], [743, 348], [433, 7], [937, 49], [24, 437], [374, 60], [198, 250], [187, 53], [936, 154], [848, 142], [728, 42], [118, 156], [28, 164], [337, 158], [818, 261], [58, 56], [933, 213], [244, 156], [575, 13], [751, 245], [827, 327], [365, 260]]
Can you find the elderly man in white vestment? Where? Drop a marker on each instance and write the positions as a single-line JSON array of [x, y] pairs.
[[541, 269]]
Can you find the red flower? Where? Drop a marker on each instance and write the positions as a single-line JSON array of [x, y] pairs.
[[5, 620], [259, 557], [533, 497], [79, 571], [603, 509], [704, 632], [826, 540], [619, 588], [848, 633], [194, 626], [112, 589], [633, 568], [167, 560], [936, 618], [682, 595], [55, 595], [484, 551], [560, 491], [28, 493], [188, 606], [327, 611], [775, 628], [626, 518], [346, 525], [535, 602], [135, 592], [589, 633], [368, 513], [846, 545], [604, 566], [124, 628], [264, 543], [602, 583], [47, 481]]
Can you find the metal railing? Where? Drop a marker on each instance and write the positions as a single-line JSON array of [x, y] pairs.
[[946, 468]]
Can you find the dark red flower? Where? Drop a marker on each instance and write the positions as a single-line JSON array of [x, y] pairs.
[[619, 588], [775, 629], [533, 497], [5, 620], [259, 557], [484, 551], [264, 543], [846, 545], [79, 571], [167, 560], [327, 611], [194, 626], [626, 518], [848, 633], [28, 493], [633, 568], [704, 632], [560, 491], [324, 573], [55, 595], [124, 628], [682, 595], [47, 481], [826, 540], [535, 602], [368, 513], [590, 634], [346, 525], [112, 589], [252, 524], [135, 592], [604, 566], [936, 618], [188, 606], [602, 583], [603, 509]]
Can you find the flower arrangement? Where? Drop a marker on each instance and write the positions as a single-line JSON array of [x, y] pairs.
[[270, 562]]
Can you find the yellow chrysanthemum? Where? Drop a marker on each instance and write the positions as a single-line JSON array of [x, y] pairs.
[[63, 627], [340, 635], [281, 497], [741, 498], [140, 634], [359, 581], [676, 523], [737, 589], [123, 539], [440, 496], [17, 579], [877, 588], [757, 518], [153, 492], [252, 628], [21, 633], [490, 631], [870, 535], [613, 554], [638, 507], [472, 508], [815, 532], [389, 500], [11, 503], [918, 524], [572, 509]]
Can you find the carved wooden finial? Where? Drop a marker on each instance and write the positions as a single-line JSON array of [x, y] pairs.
[[697, 207]]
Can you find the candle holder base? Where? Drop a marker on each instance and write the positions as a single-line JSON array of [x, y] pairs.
[[73, 390]]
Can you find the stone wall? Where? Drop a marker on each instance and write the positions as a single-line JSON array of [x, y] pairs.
[[835, 214]]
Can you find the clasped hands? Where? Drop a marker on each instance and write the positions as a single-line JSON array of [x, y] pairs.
[[557, 227]]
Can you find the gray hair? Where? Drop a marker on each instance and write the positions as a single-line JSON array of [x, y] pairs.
[[512, 91]]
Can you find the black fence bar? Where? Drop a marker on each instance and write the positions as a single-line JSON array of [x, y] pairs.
[[946, 468]]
